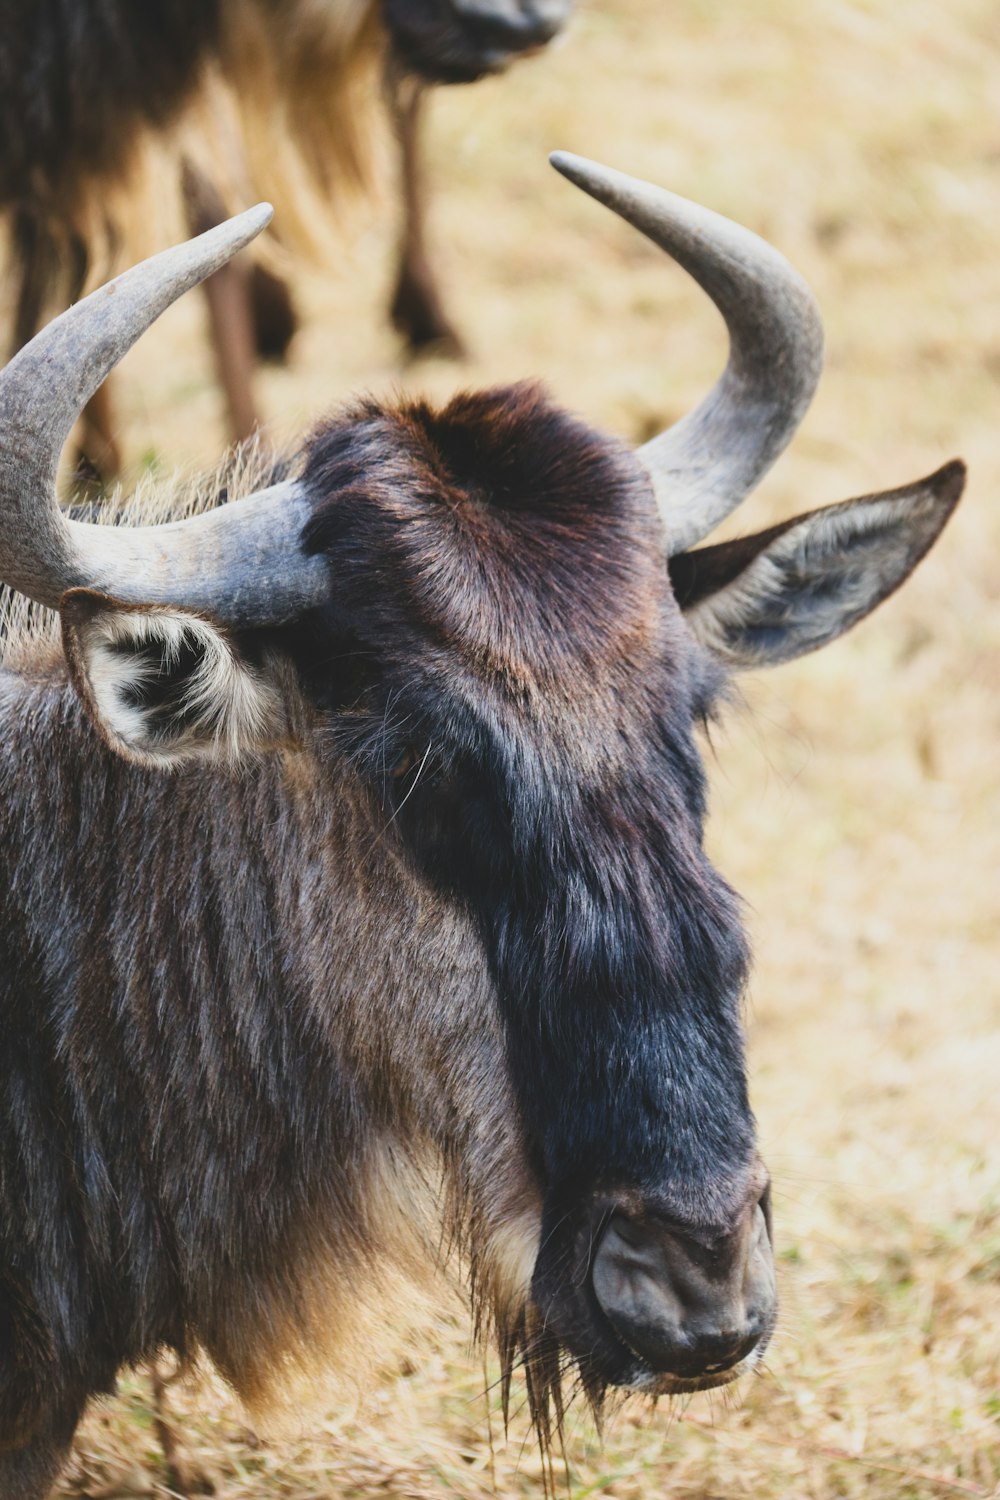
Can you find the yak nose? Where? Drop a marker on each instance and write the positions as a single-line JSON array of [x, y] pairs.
[[513, 25], [688, 1307]]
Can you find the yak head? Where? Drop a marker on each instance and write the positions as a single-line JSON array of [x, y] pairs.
[[496, 627]]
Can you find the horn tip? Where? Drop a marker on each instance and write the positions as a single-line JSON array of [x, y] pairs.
[[258, 217], [236, 233], [612, 188], [949, 481], [577, 169]]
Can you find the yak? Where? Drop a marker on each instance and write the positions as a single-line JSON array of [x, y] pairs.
[[84, 83], [354, 904]]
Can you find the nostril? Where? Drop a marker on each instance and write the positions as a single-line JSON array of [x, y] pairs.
[[686, 1310], [726, 1350]]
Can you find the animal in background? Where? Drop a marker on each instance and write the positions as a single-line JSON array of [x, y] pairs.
[[83, 83], [353, 894]]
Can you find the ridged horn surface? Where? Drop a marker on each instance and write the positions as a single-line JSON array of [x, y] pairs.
[[707, 463], [240, 562]]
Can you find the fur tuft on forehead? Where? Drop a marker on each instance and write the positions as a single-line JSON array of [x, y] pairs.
[[513, 531], [509, 450]]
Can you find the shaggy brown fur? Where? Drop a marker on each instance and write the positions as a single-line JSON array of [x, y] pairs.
[[288, 1070]]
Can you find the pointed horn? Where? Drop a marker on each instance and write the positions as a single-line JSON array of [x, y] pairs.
[[233, 562], [707, 463]]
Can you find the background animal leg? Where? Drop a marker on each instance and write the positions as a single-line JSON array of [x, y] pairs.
[[98, 457], [41, 263], [229, 309], [275, 319], [179, 1480], [417, 309], [36, 265]]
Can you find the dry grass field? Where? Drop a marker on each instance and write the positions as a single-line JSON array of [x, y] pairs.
[[856, 794]]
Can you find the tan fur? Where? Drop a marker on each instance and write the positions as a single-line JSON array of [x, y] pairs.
[[351, 1318], [304, 93], [348, 1317]]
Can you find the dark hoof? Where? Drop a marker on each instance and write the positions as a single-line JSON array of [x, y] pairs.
[[275, 319], [418, 316], [91, 480]]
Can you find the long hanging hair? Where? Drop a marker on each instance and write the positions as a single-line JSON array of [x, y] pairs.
[[273, 99]]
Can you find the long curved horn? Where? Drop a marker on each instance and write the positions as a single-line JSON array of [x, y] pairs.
[[241, 562], [709, 461]]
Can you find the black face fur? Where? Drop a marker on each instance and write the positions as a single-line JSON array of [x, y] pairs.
[[504, 665], [458, 41]]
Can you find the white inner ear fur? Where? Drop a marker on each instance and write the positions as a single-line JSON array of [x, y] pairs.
[[223, 709], [866, 548]]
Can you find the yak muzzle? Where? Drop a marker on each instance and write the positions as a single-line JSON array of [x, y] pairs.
[[458, 41], [691, 1308], [505, 28]]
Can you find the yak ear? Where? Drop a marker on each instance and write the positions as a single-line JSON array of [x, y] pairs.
[[164, 685], [768, 598]]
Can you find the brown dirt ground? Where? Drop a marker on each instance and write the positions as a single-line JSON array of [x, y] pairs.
[[856, 794]]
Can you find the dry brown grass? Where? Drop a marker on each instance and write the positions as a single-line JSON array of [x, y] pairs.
[[857, 797]]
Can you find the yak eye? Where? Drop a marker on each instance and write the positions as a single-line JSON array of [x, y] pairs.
[[406, 763]]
